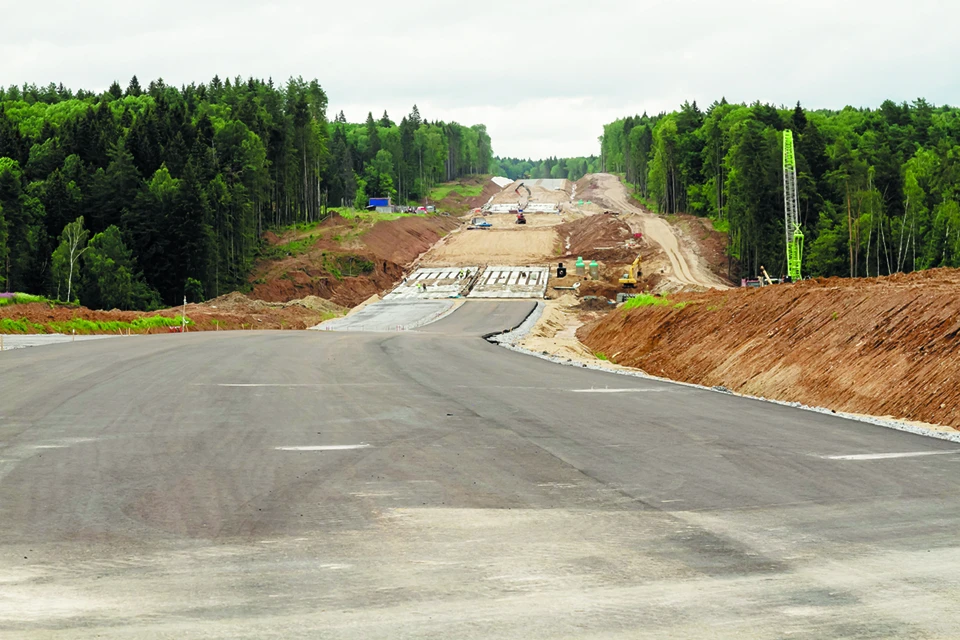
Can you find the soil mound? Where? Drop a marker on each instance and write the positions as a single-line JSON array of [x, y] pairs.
[[599, 237], [886, 346], [346, 260], [458, 203]]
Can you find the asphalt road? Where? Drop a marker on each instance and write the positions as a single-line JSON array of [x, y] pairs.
[[431, 485]]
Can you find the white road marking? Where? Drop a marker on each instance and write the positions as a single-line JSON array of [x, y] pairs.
[[331, 447], [298, 384], [888, 456], [618, 390]]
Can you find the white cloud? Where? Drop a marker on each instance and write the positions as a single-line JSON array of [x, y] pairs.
[[543, 76]]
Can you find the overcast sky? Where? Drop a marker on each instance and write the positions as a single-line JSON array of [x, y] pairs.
[[543, 76]]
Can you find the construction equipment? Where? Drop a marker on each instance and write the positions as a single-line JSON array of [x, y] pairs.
[[791, 209], [521, 219], [522, 206], [766, 276], [629, 279], [480, 223]]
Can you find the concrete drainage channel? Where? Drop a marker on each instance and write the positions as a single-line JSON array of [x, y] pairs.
[[511, 339]]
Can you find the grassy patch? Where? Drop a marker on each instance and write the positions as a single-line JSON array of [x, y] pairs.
[[723, 226], [293, 248], [600, 355], [347, 266], [22, 298], [82, 326], [646, 300], [9, 325], [370, 216], [465, 190]]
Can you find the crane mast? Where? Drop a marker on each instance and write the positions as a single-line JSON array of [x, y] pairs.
[[791, 208]]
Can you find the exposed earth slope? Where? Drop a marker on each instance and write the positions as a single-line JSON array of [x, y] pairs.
[[887, 346]]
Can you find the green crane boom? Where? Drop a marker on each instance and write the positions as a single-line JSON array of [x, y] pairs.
[[791, 208]]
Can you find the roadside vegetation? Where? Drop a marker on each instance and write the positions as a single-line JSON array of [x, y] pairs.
[[83, 326]]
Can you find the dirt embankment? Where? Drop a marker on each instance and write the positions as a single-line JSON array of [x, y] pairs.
[[886, 346], [345, 260]]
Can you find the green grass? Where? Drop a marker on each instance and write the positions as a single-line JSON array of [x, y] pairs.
[[23, 298], [292, 248], [723, 226], [9, 325], [600, 355], [467, 191], [347, 266], [370, 216], [82, 326], [648, 300]]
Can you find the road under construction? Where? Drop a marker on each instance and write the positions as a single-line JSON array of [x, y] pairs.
[[395, 474]]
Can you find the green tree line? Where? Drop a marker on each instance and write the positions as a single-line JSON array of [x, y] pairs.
[[380, 158], [878, 188], [172, 187], [569, 168]]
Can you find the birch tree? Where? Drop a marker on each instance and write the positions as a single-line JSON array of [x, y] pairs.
[[73, 243]]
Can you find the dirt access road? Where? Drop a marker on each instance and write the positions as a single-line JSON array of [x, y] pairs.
[[686, 268]]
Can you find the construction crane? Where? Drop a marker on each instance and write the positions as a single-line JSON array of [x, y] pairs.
[[629, 279], [791, 208]]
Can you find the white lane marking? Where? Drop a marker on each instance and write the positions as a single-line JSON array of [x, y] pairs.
[[330, 447], [306, 384], [618, 390], [888, 456]]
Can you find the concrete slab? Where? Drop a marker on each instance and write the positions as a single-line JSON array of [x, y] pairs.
[[403, 315], [441, 282], [511, 282]]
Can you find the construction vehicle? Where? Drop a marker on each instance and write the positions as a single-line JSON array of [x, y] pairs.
[[791, 209], [523, 205], [766, 276], [480, 223], [629, 279]]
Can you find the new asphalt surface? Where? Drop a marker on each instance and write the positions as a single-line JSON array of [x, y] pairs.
[[431, 485]]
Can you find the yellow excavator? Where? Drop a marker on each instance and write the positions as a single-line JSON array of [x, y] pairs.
[[629, 279]]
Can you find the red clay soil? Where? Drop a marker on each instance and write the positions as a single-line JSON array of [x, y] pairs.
[[599, 237], [385, 250], [885, 347], [603, 238]]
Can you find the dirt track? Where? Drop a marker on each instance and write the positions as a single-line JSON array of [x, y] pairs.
[[686, 268], [885, 346], [493, 246]]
